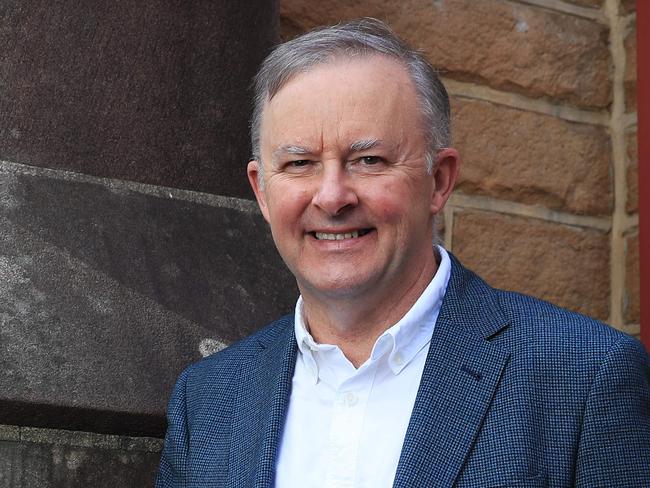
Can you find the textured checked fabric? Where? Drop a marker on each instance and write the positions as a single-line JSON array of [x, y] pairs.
[[515, 393]]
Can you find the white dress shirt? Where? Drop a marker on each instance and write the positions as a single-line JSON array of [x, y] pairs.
[[345, 426]]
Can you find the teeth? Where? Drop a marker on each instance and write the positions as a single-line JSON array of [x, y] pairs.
[[336, 237]]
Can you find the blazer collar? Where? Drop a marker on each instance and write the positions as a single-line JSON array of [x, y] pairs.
[[458, 383], [260, 408]]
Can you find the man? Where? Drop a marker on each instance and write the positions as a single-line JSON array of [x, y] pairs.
[[399, 367]]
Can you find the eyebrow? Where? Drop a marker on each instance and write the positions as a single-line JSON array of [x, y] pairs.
[[364, 145], [290, 149], [356, 146]]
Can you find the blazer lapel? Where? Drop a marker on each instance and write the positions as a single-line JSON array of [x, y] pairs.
[[259, 412], [458, 383]]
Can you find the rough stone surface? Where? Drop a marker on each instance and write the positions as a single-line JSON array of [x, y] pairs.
[[31, 465], [632, 280], [632, 202], [628, 6], [88, 439], [532, 158], [9, 433], [565, 265], [629, 81], [508, 45], [588, 3], [107, 293], [151, 91]]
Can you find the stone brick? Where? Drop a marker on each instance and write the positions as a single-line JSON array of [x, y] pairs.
[[108, 292], [508, 45], [628, 6], [150, 91], [9, 433], [588, 3], [290, 28], [565, 265], [632, 280], [532, 158], [632, 173], [29, 465], [629, 81]]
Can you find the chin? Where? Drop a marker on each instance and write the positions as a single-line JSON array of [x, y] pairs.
[[338, 286]]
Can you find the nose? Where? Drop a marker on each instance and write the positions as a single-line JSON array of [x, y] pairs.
[[335, 193]]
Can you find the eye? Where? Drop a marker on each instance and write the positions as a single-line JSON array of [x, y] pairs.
[[370, 160], [298, 166], [298, 163]]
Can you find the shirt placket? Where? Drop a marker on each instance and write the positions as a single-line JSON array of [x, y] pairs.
[[345, 432]]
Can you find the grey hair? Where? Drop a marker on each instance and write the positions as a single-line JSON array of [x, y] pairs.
[[357, 38]]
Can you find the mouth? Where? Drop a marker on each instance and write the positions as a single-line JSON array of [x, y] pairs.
[[329, 236]]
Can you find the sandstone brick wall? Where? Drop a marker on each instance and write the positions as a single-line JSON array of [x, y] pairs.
[[543, 99]]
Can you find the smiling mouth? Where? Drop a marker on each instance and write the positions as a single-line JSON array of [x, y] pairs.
[[327, 236]]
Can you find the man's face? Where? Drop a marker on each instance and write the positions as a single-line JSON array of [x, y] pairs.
[[345, 189]]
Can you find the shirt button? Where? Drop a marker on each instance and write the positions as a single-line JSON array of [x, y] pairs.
[[351, 399], [399, 360]]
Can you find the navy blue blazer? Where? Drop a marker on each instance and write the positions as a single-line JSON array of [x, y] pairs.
[[515, 392]]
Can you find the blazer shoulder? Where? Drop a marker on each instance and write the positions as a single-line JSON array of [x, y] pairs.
[[537, 324], [524, 324], [522, 309]]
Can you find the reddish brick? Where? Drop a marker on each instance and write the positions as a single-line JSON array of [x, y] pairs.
[[630, 70], [289, 28], [532, 158], [508, 45], [632, 176], [628, 6], [632, 305], [566, 265]]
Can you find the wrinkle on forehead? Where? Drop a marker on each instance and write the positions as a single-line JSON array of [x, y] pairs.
[[340, 104]]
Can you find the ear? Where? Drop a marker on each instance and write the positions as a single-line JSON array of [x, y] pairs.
[[445, 174], [254, 174]]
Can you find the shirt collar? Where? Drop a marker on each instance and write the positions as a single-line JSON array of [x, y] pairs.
[[306, 343], [403, 340]]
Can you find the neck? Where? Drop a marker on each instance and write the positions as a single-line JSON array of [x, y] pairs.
[[354, 322]]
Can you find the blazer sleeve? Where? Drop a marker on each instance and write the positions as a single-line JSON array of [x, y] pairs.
[[172, 472], [614, 447]]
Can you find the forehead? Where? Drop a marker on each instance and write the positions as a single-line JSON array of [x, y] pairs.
[[359, 98]]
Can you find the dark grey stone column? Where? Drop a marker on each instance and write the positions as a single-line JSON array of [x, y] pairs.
[[46, 458], [154, 91], [110, 288], [126, 248]]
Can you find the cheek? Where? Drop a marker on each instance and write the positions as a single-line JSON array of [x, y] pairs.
[[387, 211], [398, 209], [286, 206], [390, 202]]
